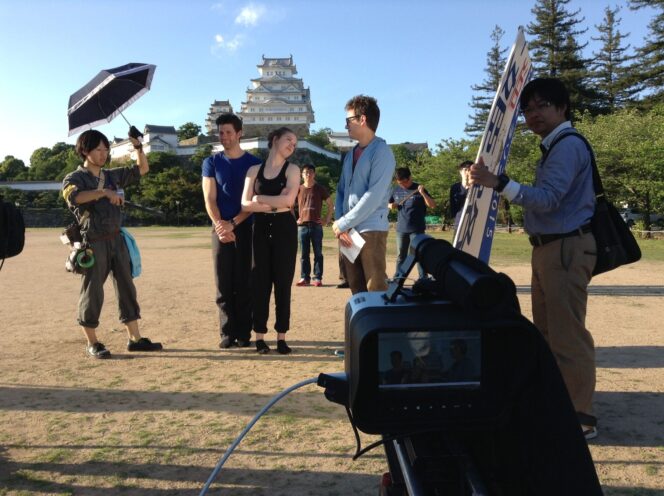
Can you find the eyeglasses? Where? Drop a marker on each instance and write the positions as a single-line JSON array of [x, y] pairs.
[[536, 107], [349, 119]]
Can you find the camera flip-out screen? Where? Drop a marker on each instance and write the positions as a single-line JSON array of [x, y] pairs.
[[425, 359]]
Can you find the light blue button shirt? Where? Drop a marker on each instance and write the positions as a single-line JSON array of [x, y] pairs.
[[563, 198]]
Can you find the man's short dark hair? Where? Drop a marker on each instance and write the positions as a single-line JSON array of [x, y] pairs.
[[309, 167], [403, 173], [89, 140], [465, 164], [550, 89], [232, 119], [367, 106]]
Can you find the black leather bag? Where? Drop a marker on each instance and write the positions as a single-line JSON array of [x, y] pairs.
[[616, 244]]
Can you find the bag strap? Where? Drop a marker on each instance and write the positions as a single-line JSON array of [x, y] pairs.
[[597, 181]]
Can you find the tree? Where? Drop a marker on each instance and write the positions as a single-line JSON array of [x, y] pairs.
[[46, 164], [650, 57], [628, 146], [482, 101], [188, 130], [202, 152], [610, 73], [322, 138], [13, 169], [555, 51]]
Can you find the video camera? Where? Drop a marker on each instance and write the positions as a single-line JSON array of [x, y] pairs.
[[455, 379]]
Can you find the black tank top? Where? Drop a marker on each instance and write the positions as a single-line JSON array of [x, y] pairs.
[[270, 187]]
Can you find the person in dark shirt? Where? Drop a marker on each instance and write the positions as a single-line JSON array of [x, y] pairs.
[[458, 193], [94, 195], [223, 180], [310, 225], [411, 201], [270, 190]]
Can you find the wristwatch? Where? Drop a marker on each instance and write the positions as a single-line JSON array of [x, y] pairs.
[[232, 221], [502, 182]]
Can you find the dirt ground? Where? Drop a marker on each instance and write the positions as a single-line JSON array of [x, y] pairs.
[[156, 424]]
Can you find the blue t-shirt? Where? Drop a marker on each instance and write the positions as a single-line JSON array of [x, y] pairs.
[[411, 209], [229, 173]]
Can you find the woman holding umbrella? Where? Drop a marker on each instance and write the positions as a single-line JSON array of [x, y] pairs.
[[94, 195], [270, 190]]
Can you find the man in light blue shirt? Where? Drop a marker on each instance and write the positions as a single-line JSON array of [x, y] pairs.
[[362, 195], [557, 213]]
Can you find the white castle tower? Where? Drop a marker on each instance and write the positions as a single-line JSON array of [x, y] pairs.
[[276, 99]]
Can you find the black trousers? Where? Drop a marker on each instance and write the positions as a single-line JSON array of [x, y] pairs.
[[232, 271], [275, 252]]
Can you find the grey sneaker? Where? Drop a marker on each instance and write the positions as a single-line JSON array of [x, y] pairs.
[[98, 350]]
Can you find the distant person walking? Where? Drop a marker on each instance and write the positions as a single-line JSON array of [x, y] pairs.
[[362, 195], [223, 181], [270, 190], [93, 195], [310, 200], [411, 201]]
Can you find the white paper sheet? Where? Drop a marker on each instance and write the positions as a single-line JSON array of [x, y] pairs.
[[351, 252]]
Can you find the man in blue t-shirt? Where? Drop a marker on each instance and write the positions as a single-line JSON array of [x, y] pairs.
[[411, 201], [223, 181]]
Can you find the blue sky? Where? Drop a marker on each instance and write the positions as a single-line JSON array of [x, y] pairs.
[[418, 58]]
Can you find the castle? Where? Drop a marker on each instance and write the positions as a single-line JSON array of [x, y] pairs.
[[276, 98]]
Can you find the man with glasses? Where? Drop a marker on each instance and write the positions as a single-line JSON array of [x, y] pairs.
[[362, 196], [310, 200], [557, 213]]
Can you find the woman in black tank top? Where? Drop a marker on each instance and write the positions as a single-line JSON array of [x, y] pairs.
[[270, 190]]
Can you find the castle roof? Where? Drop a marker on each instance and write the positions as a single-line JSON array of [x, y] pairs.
[[151, 128], [275, 61]]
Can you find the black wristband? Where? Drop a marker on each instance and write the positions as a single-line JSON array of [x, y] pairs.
[[232, 221], [502, 182]]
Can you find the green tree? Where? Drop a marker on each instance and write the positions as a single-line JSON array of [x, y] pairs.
[[555, 51], [610, 71], [188, 130], [46, 164], [163, 190], [650, 57], [403, 156], [13, 169], [484, 92], [202, 152], [628, 145], [322, 138]]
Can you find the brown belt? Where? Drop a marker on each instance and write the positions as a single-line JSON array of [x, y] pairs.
[[542, 239]]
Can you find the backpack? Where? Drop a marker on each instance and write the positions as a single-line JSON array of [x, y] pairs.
[[12, 231]]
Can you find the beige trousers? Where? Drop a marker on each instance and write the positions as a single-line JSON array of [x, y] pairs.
[[368, 271], [561, 272]]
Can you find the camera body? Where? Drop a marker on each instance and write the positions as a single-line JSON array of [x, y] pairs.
[[418, 364]]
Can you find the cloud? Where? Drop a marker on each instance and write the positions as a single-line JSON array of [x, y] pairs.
[[250, 15], [222, 44]]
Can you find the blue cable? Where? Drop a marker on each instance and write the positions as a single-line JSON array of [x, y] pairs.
[[237, 441]]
